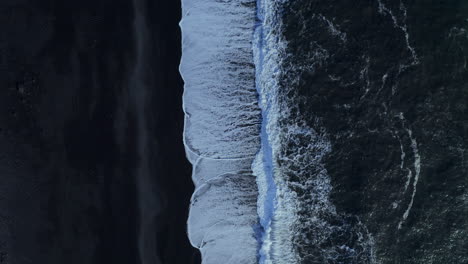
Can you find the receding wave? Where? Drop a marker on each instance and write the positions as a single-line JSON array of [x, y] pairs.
[[263, 192], [222, 124], [220, 100]]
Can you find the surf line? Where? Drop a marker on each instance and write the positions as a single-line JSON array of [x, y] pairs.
[[265, 174]]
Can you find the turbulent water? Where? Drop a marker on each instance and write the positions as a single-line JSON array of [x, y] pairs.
[[303, 225], [304, 127]]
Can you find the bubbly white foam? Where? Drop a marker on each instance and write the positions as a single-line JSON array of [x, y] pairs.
[[205, 169], [276, 207], [220, 100], [383, 9], [222, 124], [224, 132], [417, 170], [223, 218]]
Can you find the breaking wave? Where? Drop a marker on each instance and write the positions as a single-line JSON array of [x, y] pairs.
[[262, 190], [222, 123]]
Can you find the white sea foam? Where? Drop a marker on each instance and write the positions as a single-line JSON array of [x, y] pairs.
[[222, 125], [220, 100], [417, 170], [205, 169], [224, 132], [223, 218], [269, 201], [383, 9], [278, 209]]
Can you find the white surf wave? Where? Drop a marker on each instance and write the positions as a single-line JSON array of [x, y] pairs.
[[222, 124], [235, 139], [220, 100]]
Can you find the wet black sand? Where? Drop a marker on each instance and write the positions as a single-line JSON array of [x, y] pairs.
[[70, 134]]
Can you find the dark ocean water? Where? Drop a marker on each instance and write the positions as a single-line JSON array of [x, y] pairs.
[[386, 81]]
